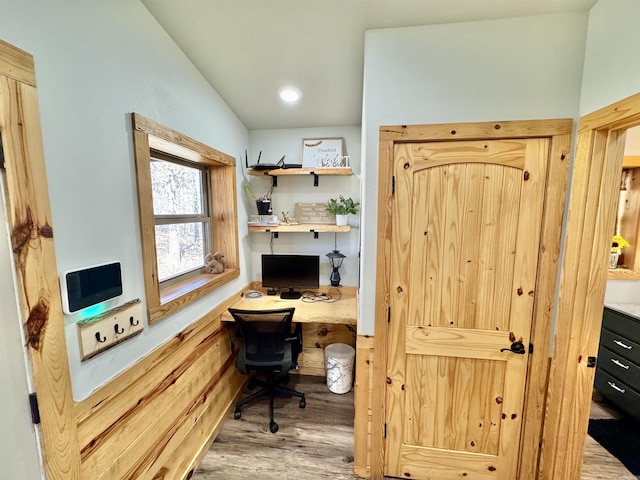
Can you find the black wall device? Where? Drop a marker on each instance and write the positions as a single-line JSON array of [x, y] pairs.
[[91, 285]]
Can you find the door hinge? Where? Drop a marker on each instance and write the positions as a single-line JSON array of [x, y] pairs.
[[591, 362], [393, 184], [389, 314], [530, 348], [35, 411], [1, 154], [385, 430]]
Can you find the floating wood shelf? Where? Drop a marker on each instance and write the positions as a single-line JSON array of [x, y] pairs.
[[303, 227], [278, 172]]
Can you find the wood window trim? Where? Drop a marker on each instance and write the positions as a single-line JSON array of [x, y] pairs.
[[149, 135], [630, 225]]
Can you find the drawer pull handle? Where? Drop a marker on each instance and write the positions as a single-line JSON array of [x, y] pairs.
[[615, 387], [620, 364], [618, 342]]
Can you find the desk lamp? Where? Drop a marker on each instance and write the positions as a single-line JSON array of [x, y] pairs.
[[335, 258]]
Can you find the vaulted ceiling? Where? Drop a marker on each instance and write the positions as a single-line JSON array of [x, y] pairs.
[[247, 49]]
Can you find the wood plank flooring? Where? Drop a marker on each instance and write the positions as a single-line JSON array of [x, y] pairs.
[[316, 442], [312, 443]]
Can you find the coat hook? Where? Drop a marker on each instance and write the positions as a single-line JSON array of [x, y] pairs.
[[132, 323], [117, 330], [104, 339]]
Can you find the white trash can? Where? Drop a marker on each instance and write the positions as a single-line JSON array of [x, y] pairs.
[[339, 359]]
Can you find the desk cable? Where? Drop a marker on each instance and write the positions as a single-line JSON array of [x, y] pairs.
[[311, 296]]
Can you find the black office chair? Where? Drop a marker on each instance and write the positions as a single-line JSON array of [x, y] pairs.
[[269, 346]]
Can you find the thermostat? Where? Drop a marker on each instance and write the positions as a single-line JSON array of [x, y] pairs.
[[90, 285]]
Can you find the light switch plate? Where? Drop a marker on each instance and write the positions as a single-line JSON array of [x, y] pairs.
[[96, 334]]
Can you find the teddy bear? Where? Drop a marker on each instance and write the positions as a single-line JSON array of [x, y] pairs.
[[214, 263]]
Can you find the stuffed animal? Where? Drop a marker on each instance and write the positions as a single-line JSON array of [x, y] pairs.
[[214, 263]]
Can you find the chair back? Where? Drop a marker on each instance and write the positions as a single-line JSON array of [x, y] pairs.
[[266, 339]]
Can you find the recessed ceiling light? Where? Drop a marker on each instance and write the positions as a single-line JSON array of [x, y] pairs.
[[289, 94]]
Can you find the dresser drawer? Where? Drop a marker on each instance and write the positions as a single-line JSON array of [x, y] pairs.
[[620, 345], [621, 324], [619, 367], [618, 392]]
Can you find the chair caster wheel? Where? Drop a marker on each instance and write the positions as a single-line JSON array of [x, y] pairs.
[[273, 426], [303, 403], [237, 414]]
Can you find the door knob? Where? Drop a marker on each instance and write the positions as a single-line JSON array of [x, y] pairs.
[[516, 347]]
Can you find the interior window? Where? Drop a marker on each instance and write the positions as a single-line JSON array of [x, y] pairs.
[[187, 206], [181, 211]]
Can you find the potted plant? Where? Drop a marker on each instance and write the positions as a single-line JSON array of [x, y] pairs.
[[617, 244], [263, 203], [342, 207]]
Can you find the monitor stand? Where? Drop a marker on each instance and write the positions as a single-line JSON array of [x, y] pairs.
[[290, 295]]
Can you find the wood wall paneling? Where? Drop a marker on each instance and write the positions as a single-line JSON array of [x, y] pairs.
[[363, 396], [138, 425], [315, 337]]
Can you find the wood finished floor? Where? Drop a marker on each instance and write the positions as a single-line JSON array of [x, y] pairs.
[[317, 442]]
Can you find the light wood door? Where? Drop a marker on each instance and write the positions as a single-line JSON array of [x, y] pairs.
[[466, 224]]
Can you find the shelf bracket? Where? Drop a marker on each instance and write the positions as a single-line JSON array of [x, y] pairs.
[[274, 181], [273, 235], [315, 234], [315, 179]]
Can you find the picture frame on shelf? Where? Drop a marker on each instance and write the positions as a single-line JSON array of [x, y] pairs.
[[324, 153]]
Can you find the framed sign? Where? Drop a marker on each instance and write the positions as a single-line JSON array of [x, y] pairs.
[[313, 213], [323, 153]]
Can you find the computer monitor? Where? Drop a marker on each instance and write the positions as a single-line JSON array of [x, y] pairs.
[[290, 272]]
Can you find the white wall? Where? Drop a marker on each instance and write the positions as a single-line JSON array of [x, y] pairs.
[[512, 69], [611, 73], [611, 66], [96, 62], [19, 456], [291, 190]]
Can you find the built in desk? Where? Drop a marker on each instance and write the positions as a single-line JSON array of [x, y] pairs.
[[323, 322]]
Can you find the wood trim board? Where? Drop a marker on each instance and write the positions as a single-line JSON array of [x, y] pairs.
[[595, 183], [32, 239]]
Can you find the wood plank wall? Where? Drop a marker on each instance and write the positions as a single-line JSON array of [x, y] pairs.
[[315, 337], [363, 399], [155, 419]]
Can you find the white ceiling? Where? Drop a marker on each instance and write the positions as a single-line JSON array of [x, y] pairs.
[[247, 49]]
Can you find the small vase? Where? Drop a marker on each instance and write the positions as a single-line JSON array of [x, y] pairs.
[[341, 220], [613, 260]]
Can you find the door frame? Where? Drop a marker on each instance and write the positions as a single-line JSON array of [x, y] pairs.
[[559, 133], [32, 241], [591, 220]]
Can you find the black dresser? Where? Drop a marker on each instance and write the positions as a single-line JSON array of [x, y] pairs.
[[618, 372]]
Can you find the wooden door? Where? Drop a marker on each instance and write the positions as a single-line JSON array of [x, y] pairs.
[[466, 225]]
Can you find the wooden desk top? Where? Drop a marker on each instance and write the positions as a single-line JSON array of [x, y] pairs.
[[341, 312]]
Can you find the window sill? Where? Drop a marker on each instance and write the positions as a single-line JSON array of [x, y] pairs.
[[178, 295], [622, 274]]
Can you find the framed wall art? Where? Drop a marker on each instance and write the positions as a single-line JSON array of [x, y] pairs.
[[323, 153]]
